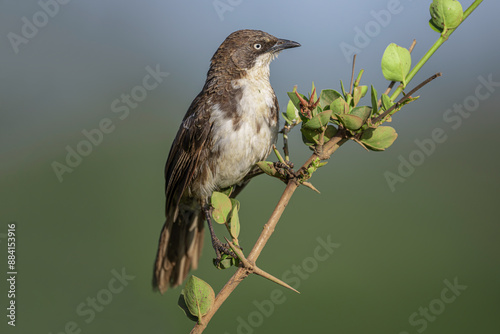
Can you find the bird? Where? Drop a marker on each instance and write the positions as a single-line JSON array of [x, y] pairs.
[[230, 126]]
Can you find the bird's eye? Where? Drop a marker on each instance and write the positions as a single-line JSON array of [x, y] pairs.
[[257, 46]]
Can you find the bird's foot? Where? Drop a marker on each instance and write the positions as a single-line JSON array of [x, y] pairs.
[[285, 170], [221, 249], [225, 257]]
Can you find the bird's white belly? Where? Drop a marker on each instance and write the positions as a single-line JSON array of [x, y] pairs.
[[240, 147], [240, 150]]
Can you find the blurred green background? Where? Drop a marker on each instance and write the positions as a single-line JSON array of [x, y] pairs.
[[397, 248]]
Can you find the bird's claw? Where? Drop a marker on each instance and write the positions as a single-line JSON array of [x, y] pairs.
[[221, 249]]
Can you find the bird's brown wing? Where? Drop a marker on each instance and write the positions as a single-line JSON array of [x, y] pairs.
[[188, 148], [181, 239]]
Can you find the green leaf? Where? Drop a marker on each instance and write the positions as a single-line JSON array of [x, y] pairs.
[[181, 302], [396, 63], [315, 96], [364, 90], [318, 121], [358, 93], [380, 138], [234, 223], [362, 112], [343, 89], [292, 114], [226, 261], [339, 106], [435, 27], [295, 100], [267, 167], [199, 296], [316, 111], [311, 137], [374, 100], [222, 206], [386, 102], [315, 164], [445, 14], [351, 122], [329, 133], [327, 96], [286, 118], [235, 204]]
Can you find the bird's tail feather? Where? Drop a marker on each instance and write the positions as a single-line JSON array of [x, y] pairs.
[[179, 248]]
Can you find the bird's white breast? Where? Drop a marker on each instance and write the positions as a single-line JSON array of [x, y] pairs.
[[240, 147]]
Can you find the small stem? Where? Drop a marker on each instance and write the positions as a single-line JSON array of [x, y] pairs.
[[352, 73], [360, 143], [278, 155], [412, 46], [390, 111], [358, 79], [239, 253], [471, 8], [286, 130]]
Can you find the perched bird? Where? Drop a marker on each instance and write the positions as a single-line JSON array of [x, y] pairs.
[[231, 125]]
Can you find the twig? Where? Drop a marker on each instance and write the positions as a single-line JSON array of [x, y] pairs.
[[360, 143], [278, 155], [404, 98], [286, 129], [352, 74]]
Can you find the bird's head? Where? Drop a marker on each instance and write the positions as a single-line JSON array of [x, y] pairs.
[[248, 48]]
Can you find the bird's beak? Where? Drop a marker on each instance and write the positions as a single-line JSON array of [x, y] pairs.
[[283, 44]]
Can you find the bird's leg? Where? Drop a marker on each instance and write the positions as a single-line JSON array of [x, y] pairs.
[[219, 247]]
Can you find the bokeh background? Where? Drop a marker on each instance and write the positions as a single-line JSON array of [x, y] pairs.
[[397, 248]]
